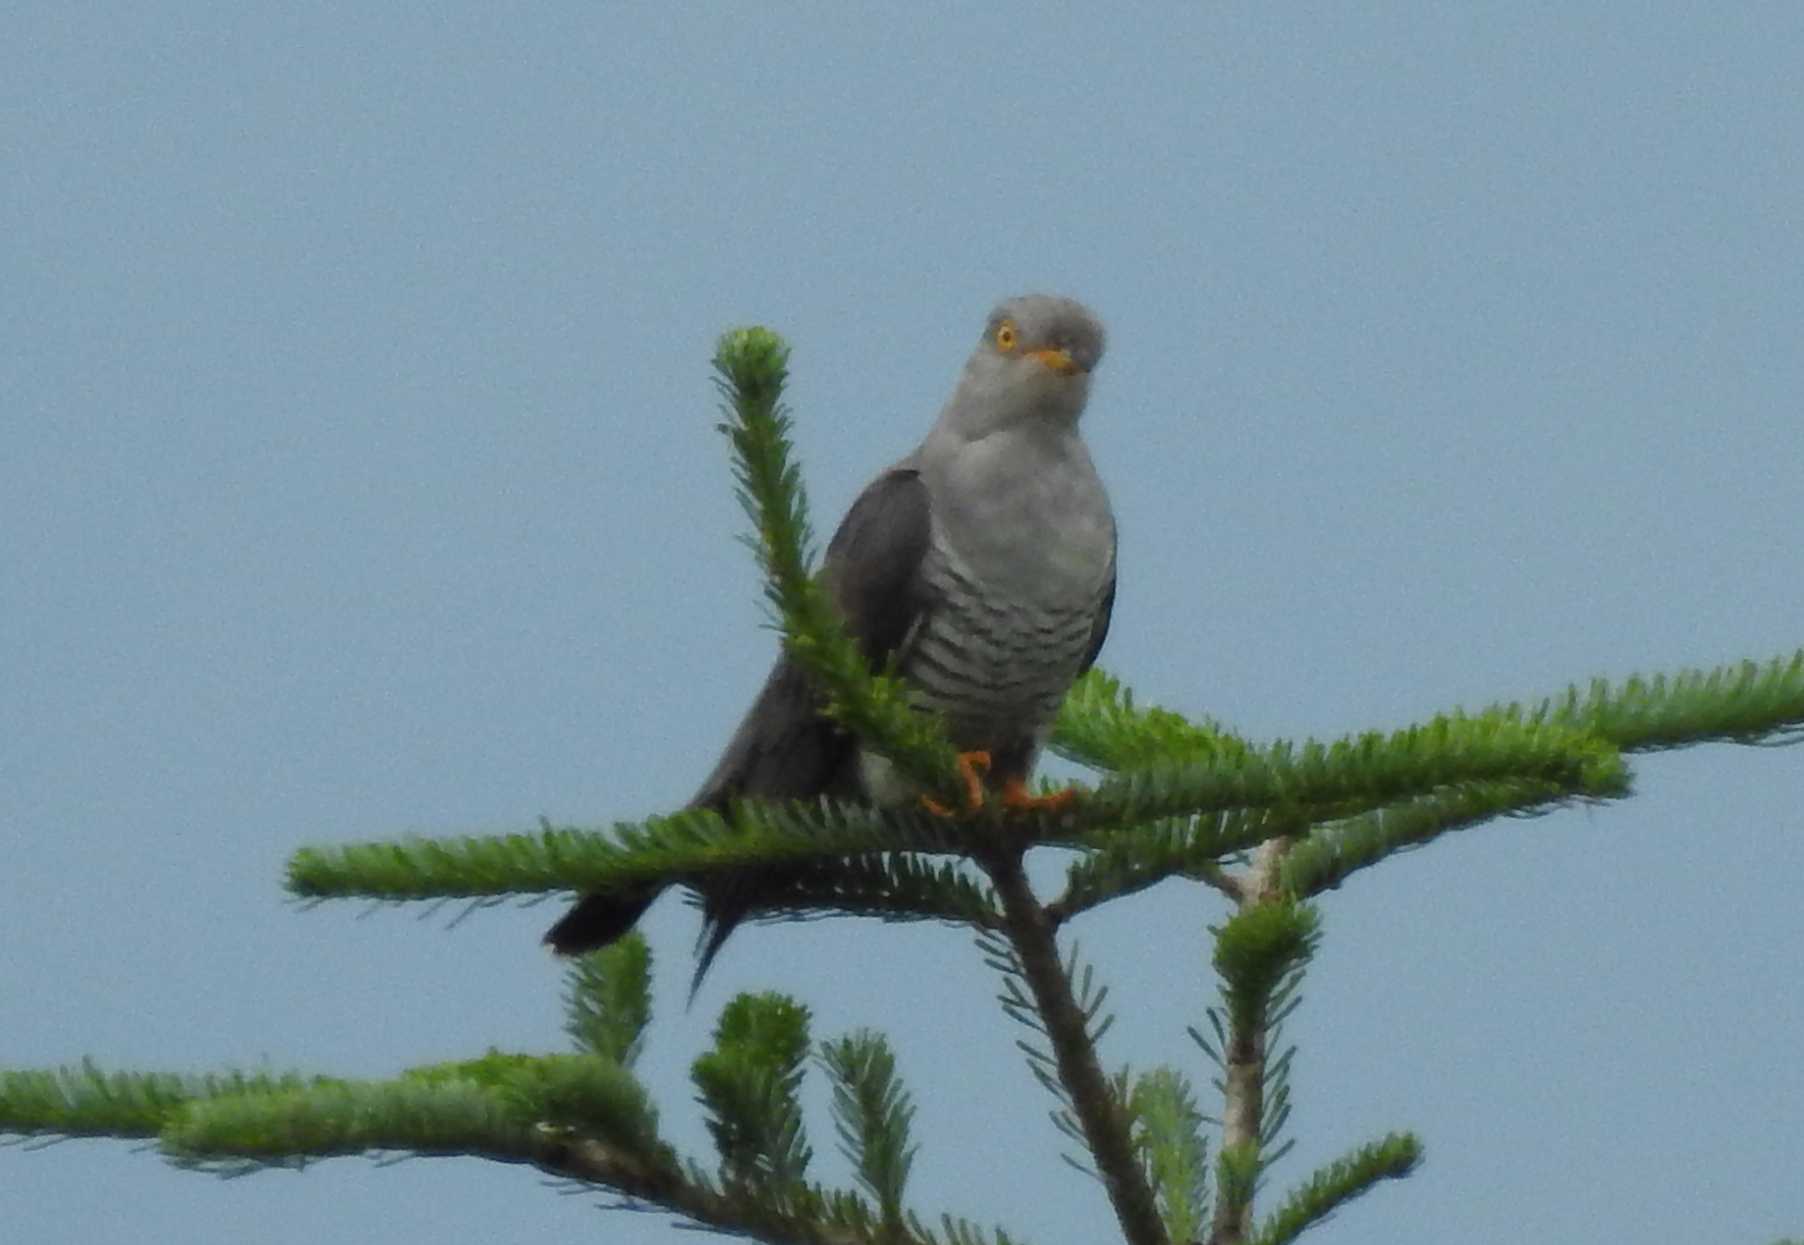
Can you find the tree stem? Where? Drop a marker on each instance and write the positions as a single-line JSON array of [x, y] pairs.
[[596, 1162], [1243, 1056], [1099, 1112]]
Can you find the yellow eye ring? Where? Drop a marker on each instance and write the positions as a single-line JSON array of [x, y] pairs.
[[1005, 336]]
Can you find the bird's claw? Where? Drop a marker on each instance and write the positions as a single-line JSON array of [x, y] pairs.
[[972, 766], [1016, 796]]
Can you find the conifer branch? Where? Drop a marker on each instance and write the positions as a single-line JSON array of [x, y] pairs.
[[890, 887], [1345, 778], [1746, 703], [752, 367], [575, 1116], [1100, 726], [750, 1084], [1168, 1133], [1333, 851], [85, 1101], [607, 1000], [1124, 862], [807, 1215], [339, 1118], [873, 1114], [1256, 952], [1361, 772], [488, 1108], [1333, 1186], [1100, 1111], [690, 843], [810, 1216]]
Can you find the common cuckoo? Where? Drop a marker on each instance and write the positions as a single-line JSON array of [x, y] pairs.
[[983, 563]]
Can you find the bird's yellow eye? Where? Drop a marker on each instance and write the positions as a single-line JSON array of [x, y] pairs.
[[1006, 336]]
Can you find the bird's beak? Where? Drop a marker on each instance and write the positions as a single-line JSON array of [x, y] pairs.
[[1059, 361]]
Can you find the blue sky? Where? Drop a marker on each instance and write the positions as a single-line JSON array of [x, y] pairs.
[[358, 477]]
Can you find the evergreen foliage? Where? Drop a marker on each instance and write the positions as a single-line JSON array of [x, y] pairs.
[[872, 1113], [1257, 948], [1333, 1186], [749, 1084], [608, 999], [751, 366], [1272, 826], [1168, 1130]]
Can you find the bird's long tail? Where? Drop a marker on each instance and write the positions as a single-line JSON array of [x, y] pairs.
[[598, 919]]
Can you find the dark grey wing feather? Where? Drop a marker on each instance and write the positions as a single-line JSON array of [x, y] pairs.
[[1099, 630], [785, 748], [873, 564]]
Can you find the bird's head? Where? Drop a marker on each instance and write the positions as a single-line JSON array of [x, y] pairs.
[[1032, 364]]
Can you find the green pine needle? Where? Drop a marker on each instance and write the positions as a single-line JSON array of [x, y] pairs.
[[595, 1096], [1100, 726], [1236, 1180], [872, 1113], [488, 1106], [752, 366], [86, 1101], [1168, 1130], [892, 887], [1333, 1186], [1747, 702], [691, 843], [1360, 772], [1335, 850], [608, 999], [343, 1118], [750, 1084], [491, 1106], [1125, 861], [1258, 948]]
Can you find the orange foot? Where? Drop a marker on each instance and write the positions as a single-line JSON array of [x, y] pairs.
[[971, 767], [1015, 795]]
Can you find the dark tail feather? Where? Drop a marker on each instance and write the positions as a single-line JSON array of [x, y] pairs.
[[715, 932], [783, 749], [599, 919], [730, 900], [725, 903]]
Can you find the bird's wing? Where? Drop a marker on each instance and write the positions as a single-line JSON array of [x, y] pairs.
[[784, 748], [1099, 630], [873, 564]]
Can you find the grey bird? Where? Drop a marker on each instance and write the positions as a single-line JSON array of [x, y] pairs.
[[983, 563]]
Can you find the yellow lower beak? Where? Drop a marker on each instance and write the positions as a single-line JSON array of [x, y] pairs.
[[1059, 361]]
